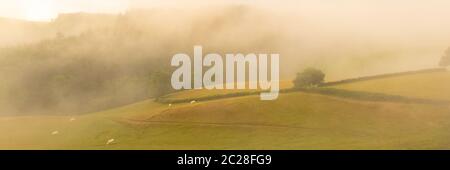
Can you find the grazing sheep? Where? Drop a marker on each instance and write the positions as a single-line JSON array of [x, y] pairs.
[[72, 119], [110, 141], [55, 132], [193, 102], [170, 105]]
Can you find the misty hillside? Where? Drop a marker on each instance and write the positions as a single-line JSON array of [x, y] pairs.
[[119, 59], [15, 31], [80, 63], [353, 75]]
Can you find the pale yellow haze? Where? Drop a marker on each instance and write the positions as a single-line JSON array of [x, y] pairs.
[[45, 10], [413, 33], [374, 17]]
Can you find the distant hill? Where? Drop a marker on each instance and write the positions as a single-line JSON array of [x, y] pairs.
[[16, 32], [13, 31]]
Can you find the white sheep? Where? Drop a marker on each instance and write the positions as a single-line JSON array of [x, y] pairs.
[[72, 119], [55, 132], [193, 102], [170, 105], [110, 141]]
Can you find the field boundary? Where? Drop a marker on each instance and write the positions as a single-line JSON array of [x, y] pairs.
[[369, 96], [231, 124], [349, 94], [365, 78]]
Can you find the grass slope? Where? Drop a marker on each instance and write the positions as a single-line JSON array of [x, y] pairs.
[[297, 120]]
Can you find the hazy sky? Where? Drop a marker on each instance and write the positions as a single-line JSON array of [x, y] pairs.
[[407, 18], [48, 9], [44, 10]]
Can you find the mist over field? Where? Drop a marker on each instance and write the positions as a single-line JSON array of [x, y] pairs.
[[94, 60]]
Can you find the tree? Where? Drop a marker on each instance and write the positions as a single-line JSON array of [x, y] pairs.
[[309, 77], [445, 59], [160, 83]]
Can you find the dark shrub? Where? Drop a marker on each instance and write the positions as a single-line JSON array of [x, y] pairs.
[[309, 77], [445, 59]]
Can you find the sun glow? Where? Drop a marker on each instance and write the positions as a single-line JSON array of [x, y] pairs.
[[39, 10]]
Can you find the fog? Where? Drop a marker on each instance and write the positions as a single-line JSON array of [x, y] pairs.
[[110, 54]]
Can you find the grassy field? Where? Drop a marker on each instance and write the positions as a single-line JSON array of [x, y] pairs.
[[297, 120], [424, 85]]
